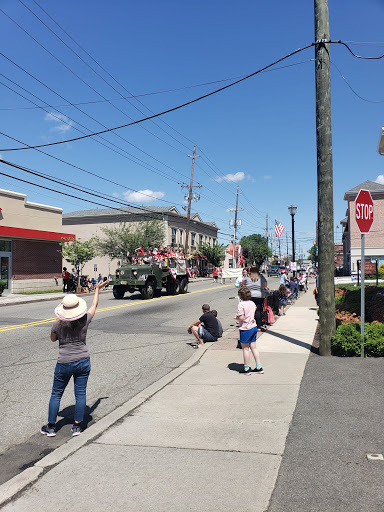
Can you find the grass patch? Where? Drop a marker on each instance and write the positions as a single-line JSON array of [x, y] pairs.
[[40, 292]]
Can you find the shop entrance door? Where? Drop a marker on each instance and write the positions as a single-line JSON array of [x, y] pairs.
[[4, 270]]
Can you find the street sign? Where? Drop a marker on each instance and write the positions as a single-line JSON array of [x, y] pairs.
[[364, 211]]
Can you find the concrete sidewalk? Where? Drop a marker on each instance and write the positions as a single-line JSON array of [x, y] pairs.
[[203, 438]]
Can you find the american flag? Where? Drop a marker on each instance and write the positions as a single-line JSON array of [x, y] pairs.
[[279, 228]]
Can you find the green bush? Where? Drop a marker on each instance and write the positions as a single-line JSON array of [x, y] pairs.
[[3, 284], [347, 340], [374, 340]]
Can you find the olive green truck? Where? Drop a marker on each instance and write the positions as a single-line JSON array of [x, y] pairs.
[[151, 279]]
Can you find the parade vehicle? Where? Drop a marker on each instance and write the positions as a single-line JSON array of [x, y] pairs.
[[273, 270], [150, 279]]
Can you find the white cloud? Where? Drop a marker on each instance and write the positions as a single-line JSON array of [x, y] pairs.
[[63, 124], [230, 178], [115, 194], [142, 196], [267, 176], [380, 179]]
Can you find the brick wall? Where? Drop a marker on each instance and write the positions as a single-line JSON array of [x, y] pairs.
[[35, 260]]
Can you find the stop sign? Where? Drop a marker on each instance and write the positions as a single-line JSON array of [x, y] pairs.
[[364, 211]]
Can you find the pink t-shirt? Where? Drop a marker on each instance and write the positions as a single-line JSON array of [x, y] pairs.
[[247, 309]]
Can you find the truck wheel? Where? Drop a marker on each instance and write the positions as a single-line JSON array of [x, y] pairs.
[[184, 285], [118, 292], [173, 287], [148, 291]]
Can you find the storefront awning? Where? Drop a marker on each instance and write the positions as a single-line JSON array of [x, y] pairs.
[[35, 234]]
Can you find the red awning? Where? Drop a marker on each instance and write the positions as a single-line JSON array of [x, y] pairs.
[[34, 234]]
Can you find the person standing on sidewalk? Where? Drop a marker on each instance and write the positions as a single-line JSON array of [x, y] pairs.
[[65, 279], [248, 330], [257, 284], [73, 361]]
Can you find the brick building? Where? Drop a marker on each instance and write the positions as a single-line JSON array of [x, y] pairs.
[[89, 223], [374, 240], [30, 233]]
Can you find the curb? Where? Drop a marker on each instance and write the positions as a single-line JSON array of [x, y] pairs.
[[26, 478]]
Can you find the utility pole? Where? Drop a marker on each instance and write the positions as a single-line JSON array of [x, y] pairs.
[[234, 231], [324, 177], [189, 198]]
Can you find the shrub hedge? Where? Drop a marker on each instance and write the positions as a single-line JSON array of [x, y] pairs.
[[347, 340]]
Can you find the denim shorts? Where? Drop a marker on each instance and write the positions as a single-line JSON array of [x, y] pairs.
[[205, 335], [248, 336]]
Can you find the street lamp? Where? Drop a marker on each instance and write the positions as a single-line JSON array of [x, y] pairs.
[[292, 210]]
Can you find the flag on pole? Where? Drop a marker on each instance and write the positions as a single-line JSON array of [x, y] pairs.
[[279, 228]]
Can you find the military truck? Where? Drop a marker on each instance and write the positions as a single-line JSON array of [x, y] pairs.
[[150, 279]]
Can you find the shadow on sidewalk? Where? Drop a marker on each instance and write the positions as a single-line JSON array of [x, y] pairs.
[[294, 341]]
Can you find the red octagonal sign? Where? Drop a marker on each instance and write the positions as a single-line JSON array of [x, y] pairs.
[[364, 211]]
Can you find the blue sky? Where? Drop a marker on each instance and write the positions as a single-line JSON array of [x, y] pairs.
[[258, 135]]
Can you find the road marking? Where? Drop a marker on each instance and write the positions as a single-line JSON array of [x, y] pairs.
[[110, 308]]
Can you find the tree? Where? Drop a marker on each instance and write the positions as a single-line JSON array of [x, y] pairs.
[[312, 253], [123, 239], [77, 253], [214, 254], [257, 249]]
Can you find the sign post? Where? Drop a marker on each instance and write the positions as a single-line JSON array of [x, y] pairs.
[[364, 220]]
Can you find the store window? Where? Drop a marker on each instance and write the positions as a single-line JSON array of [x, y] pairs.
[[200, 239], [5, 246], [193, 237], [173, 236]]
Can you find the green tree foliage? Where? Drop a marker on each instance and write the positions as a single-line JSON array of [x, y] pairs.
[[255, 249], [77, 253], [214, 254], [123, 239], [312, 253]]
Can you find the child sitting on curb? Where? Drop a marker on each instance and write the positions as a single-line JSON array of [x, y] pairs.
[[248, 330]]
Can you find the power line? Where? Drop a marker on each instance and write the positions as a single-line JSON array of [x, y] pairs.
[[169, 110], [85, 113], [351, 88]]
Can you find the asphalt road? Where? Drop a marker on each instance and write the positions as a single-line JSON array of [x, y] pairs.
[[132, 342]]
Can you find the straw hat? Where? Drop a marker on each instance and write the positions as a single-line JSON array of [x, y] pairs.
[[72, 307]]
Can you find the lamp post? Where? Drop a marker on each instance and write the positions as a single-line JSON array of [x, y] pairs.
[[292, 210]]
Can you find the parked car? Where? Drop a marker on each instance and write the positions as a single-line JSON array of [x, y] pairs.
[[273, 270]]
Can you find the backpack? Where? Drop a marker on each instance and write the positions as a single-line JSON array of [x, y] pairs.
[[270, 315]]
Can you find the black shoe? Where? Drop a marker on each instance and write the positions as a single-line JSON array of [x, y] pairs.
[[258, 370], [48, 431], [246, 372]]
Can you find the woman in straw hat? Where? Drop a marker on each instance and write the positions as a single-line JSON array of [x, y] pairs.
[[73, 361]]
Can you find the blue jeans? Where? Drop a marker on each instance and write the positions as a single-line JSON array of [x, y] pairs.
[[63, 372]]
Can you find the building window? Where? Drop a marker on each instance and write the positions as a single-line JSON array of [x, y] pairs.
[[173, 236], [5, 245], [181, 237], [209, 240], [214, 241], [200, 239], [193, 236]]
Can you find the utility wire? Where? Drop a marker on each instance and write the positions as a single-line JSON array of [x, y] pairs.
[[71, 71], [102, 78], [85, 113], [90, 191], [351, 88], [169, 110]]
